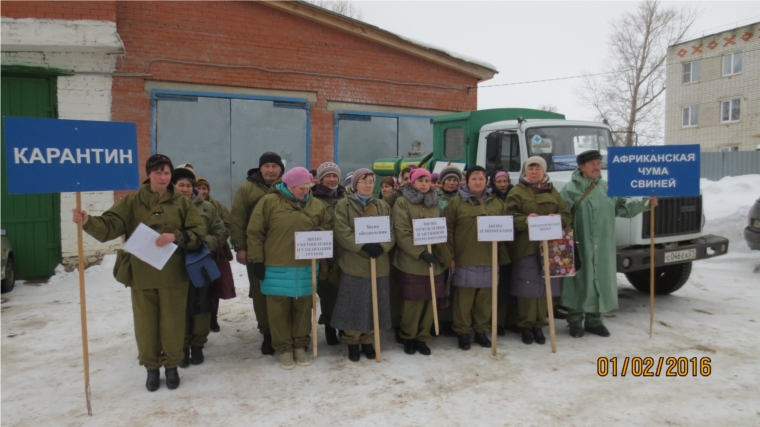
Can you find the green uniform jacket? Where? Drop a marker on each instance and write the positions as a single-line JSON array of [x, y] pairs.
[[352, 259], [462, 224], [224, 213], [407, 254], [521, 202], [445, 198], [271, 233], [327, 271], [213, 222], [246, 198], [175, 213], [593, 289], [391, 198]]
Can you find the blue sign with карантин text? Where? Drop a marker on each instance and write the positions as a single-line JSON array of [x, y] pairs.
[[663, 171], [59, 156]]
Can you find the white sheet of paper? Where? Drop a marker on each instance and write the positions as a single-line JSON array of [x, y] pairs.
[[496, 228], [314, 244], [439, 166], [429, 231], [373, 229], [545, 227], [142, 244]]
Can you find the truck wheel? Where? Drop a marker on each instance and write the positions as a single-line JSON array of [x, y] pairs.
[[666, 279], [10, 276]]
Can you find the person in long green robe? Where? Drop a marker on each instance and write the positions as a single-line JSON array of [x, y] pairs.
[[593, 289]]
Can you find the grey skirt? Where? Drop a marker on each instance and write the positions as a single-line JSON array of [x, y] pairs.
[[353, 308], [472, 276], [528, 281]]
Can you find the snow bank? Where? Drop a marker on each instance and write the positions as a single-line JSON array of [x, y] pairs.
[[726, 204]]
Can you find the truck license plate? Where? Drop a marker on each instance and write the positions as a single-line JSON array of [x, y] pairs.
[[680, 255]]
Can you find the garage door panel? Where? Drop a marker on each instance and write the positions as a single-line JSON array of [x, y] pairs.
[[362, 139], [198, 133], [411, 129]]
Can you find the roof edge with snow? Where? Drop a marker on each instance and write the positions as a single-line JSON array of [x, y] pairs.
[[481, 70]]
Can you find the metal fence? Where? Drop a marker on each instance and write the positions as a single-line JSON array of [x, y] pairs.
[[715, 166]]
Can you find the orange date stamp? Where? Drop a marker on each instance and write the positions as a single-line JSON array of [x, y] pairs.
[[653, 367]]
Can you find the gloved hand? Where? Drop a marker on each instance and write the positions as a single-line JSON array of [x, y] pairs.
[[374, 250], [259, 270], [428, 258]]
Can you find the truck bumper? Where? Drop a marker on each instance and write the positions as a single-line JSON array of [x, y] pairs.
[[633, 259], [752, 238]]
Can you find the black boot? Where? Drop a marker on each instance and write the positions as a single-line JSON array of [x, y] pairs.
[[482, 339], [266, 346], [422, 348], [172, 378], [527, 336], [153, 382], [600, 330], [332, 335], [353, 352], [538, 336], [464, 341], [398, 336], [576, 330], [214, 322], [409, 347], [186, 360], [369, 351], [514, 328], [197, 358]]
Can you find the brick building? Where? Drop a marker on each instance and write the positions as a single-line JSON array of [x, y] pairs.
[[216, 84], [713, 96]]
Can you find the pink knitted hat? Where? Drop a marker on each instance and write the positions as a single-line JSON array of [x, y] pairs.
[[500, 174], [418, 173], [297, 176]]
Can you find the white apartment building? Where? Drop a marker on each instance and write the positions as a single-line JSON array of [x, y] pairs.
[[713, 91]]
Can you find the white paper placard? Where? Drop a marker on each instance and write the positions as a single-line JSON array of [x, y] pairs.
[[545, 227], [496, 228], [429, 231], [314, 244], [142, 244], [372, 229], [439, 166]]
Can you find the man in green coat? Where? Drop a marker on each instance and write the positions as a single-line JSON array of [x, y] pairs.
[[258, 184], [593, 289]]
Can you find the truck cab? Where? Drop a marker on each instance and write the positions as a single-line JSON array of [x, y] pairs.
[[503, 139]]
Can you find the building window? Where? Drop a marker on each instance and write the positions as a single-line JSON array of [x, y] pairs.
[[723, 149], [730, 110], [732, 63], [453, 143], [690, 116], [691, 72]]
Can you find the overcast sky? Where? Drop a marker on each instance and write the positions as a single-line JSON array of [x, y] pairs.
[[533, 40]]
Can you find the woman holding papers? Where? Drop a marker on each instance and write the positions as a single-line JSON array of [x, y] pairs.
[[472, 293], [159, 297], [414, 262], [534, 195], [200, 301], [353, 309], [285, 281]]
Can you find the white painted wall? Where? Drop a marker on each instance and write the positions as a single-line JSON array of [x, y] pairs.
[[90, 46]]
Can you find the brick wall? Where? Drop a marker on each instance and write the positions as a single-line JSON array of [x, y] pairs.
[[712, 88], [248, 33], [73, 10]]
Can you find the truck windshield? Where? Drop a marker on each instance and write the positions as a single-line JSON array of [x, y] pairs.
[[559, 145]]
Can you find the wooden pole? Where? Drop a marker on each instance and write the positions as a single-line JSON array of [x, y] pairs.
[[314, 305], [494, 295], [432, 295], [375, 316], [549, 302], [83, 309], [651, 271]]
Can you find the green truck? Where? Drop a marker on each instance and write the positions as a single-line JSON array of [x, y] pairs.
[[503, 138]]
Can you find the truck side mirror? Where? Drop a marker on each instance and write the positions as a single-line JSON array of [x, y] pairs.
[[493, 152]]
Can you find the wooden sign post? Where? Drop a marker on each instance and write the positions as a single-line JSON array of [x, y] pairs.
[[430, 231], [376, 229], [495, 229], [544, 228], [314, 245]]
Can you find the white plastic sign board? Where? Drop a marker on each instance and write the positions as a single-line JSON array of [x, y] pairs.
[[496, 228], [373, 229], [439, 166], [545, 227], [429, 231], [314, 244]]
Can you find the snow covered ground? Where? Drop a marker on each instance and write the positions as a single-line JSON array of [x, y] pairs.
[[715, 315]]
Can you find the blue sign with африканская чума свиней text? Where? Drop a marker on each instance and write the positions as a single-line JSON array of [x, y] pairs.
[[60, 156], [664, 170]]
